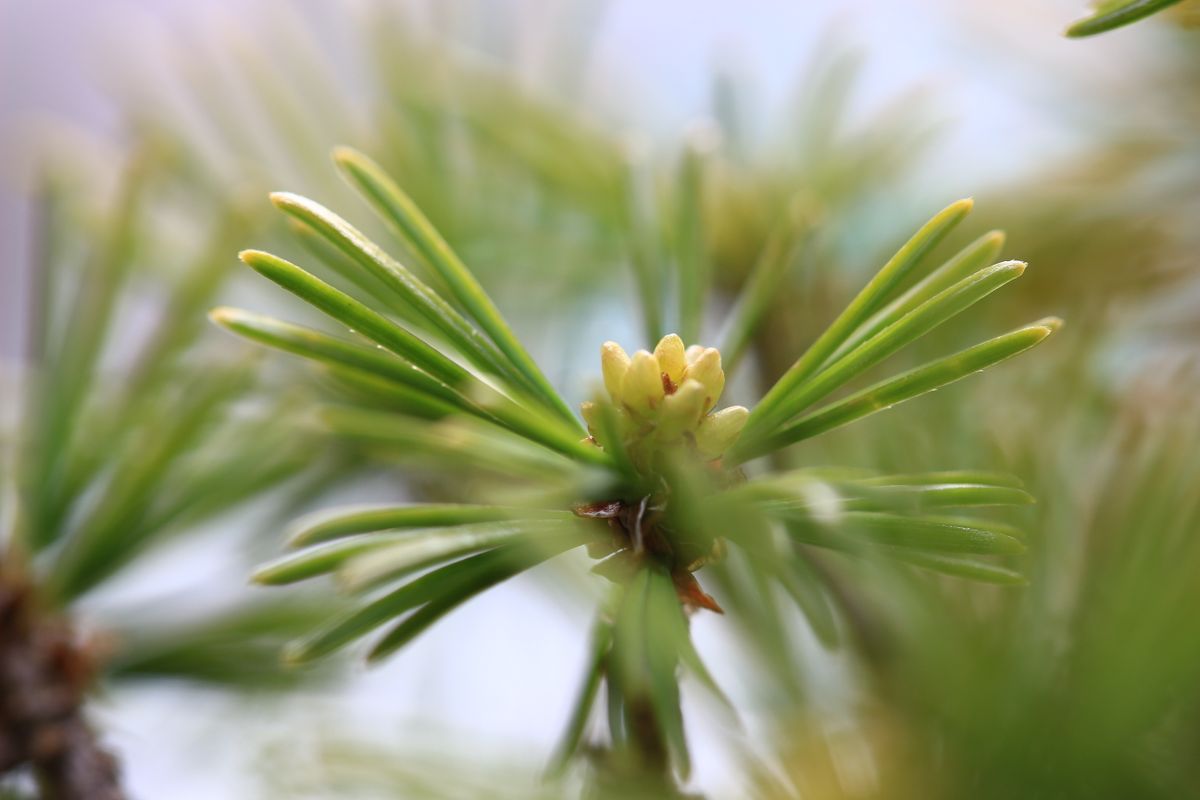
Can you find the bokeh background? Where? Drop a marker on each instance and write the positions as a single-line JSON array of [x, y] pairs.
[[1087, 152]]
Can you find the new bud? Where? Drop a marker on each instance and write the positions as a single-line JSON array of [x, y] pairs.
[[614, 364], [670, 355], [642, 389], [718, 432], [707, 370]]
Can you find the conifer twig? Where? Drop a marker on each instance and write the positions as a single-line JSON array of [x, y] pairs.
[[44, 673]]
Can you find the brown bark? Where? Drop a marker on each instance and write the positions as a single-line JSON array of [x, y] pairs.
[[44, 674]]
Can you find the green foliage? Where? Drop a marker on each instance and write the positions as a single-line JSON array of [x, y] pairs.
[[643, 498], [236, 647], [915, 382], [1111, 14], [1074, 685], [124, 442]]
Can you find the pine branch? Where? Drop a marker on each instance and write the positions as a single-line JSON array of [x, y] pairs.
[[44, 673]]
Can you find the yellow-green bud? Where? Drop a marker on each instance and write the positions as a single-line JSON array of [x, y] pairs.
[[717, 432], [663, 398], [680, 412], [591, 414], [707, 370], [642, 389], [671, 360], [614, 364]]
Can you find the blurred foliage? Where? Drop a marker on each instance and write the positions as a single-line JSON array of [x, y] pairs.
[[1110, 14], [346, 766], [134, 429], [261, 106], [1078, 684]]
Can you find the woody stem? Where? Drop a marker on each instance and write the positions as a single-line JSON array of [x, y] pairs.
[[43, 676]]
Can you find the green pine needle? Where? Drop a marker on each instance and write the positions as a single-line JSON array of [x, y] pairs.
[[1114, 14]]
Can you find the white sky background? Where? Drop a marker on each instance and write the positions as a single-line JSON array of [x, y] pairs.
[[987, 63]]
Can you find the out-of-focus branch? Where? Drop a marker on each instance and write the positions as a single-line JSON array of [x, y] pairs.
[[44, 672]]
